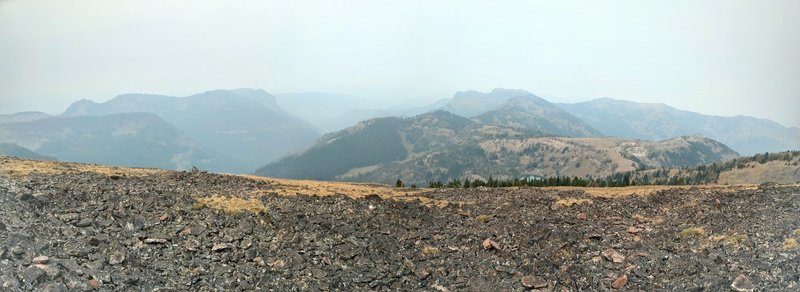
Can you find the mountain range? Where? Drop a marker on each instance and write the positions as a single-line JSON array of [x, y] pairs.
[[241, 130], [245, 127], [128, 139], [442, 146], [11, 149], [620, 118]]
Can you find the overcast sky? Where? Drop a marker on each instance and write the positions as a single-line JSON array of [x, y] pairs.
[[715, 57]]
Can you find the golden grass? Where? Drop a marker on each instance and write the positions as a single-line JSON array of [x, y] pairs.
[[649, 190], [230, 205], [692, 231], [422, 200], [790, 244], [692, 203], [429, 250], [20, 167], [797, 231], [569, 202], [288, 187], [483, 218], [644, 219], [730, 239]]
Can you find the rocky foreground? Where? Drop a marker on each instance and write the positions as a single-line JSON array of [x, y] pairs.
[[144, 231]]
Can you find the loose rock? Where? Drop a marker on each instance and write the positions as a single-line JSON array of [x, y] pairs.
[[41, 260], [219, 247], [613, 256], [85, 222], [533, 282], [742, 283], [152, 240], [620, 282], [490, 244]]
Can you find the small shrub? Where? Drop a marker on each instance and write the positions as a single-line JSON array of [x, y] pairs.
[[483, 218], [692, 231], [230, 205], [569, 202], [642, 218], [429, 250], [790, 244]]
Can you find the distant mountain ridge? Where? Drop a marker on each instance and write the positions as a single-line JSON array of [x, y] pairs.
[[23, 117], [520, 109], [11, 149], [128, 139], [621, 118], [442, 145], [245, 126]]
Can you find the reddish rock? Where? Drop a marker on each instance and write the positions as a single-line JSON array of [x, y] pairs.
[[277, 264], [581, 216], [533, 282], [634, 229], [620, 282], [613, 256], [490, 244], [94, 283], [164, 217]]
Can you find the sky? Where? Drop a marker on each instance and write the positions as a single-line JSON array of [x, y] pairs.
[[723, 57]]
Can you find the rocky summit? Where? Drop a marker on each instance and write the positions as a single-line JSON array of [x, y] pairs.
[[73, 227]]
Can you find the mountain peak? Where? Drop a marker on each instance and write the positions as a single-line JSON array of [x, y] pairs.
[[81, 107], [471, 103], [510, 92]]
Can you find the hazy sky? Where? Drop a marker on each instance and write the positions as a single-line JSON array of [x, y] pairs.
[[716, 57]]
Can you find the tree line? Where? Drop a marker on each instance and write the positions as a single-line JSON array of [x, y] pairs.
[[703, 174]]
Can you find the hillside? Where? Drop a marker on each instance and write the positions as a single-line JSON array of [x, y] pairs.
[[471, 103], [22, 117], [136, 139], [77, 227], [245, 126], [519, 109], [444, 146], [778, 167], [11, 149], [531, 112], [746, 135]]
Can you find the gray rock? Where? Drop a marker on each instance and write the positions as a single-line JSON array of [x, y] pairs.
[[55, 287], [152, 240], [72, 267], [9, 283], [85, 222], [533, 282], [52, 271], [220, 247], [117, 257], [41, 260], [31, 275], [742, 283]]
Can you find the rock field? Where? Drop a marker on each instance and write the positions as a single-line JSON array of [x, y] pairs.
[[151, 232]]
